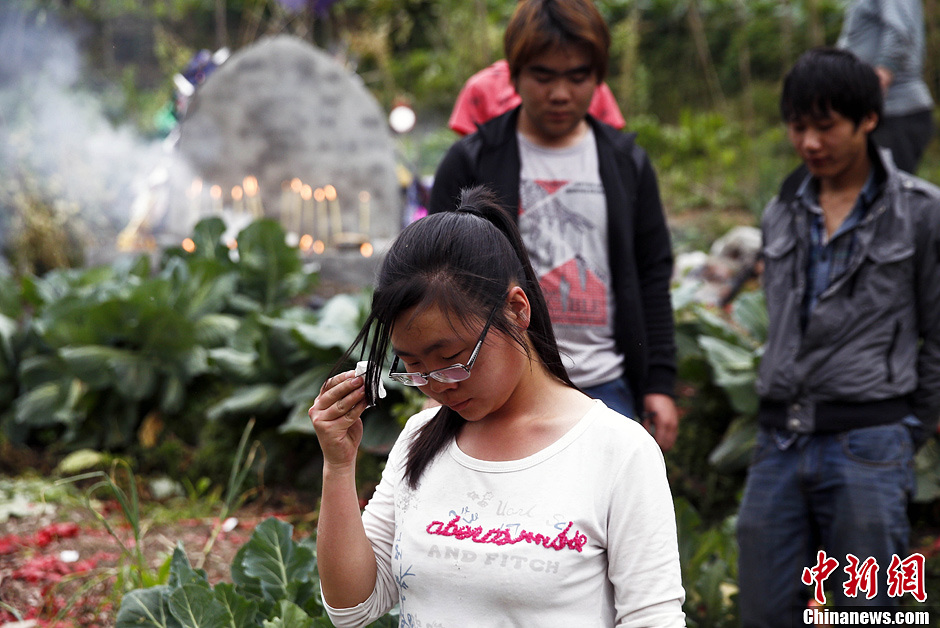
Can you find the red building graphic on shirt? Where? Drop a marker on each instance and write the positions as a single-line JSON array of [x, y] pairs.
[[575, 295]]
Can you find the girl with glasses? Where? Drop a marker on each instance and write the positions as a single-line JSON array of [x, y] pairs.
[[519, 501]]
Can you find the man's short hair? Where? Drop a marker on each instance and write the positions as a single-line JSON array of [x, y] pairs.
[[537, 26], [829, 79]]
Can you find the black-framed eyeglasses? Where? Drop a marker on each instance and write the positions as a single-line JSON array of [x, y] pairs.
[[449, 374]]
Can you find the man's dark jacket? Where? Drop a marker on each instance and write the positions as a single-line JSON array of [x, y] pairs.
[[638, 237]]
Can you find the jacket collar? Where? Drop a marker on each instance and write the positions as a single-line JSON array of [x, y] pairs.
[[881, 160], [500, 129]]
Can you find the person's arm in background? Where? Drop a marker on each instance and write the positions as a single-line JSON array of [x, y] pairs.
[[654, 267], [899, 18]]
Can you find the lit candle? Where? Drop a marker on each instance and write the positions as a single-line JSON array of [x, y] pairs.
[[296, 187], [364, 210], [216, 193], [333, 204], [306, 193], [238, 203], [252, 202], [195, 199], [322, 220]]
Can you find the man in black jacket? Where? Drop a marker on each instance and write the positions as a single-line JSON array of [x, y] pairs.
[[588, 208]]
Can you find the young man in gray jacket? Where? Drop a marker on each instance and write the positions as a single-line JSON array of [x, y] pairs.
[[850, 377]]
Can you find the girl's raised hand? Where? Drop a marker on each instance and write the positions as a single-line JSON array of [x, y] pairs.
[[336, 418]]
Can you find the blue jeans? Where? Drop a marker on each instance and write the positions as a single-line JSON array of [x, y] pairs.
[[846, 493], [616, 395]]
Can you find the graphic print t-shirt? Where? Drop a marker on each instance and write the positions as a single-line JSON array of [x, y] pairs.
[[563, 220], [563, 538]]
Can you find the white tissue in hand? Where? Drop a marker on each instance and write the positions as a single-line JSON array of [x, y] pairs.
[[361, 370]]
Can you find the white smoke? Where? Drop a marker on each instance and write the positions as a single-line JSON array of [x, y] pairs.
[[55, 133]]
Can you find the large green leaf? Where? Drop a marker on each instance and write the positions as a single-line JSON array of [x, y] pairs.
[[281, 342], [379, 431], [214, 330], [306, 386], [283, 568], [337, 323], [735, 370], [207, 294], [172, 395], [38, 406], [326, 336], [146, 608], [241, 365], [8, 365], [248, 400], [266, 263], [733, 453], [344, 309], [40, 369], [181, 571], [244, 304], [193, 362], [132, 374], [207, 236], [94, 364], [298, 421], [8, 329], [245, 584], [11, 301], [290, 615], [196, 607], [240, 609], [750, 311], [48, 404]]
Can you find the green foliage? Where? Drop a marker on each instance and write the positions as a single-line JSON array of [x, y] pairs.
[[208, 334], [764, 36], [274, 583], [927, 467], [709, 557], [718, 355], [711, 160]]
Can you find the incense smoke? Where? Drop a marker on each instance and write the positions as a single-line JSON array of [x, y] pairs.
[[55, 139]]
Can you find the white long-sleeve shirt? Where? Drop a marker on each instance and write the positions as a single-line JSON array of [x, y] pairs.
[[582, 533]]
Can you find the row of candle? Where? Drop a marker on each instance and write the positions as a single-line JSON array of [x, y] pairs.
[[298, 202], [306, 244]]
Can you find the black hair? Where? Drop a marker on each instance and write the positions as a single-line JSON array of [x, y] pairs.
[[463, 262], [828, 79]]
